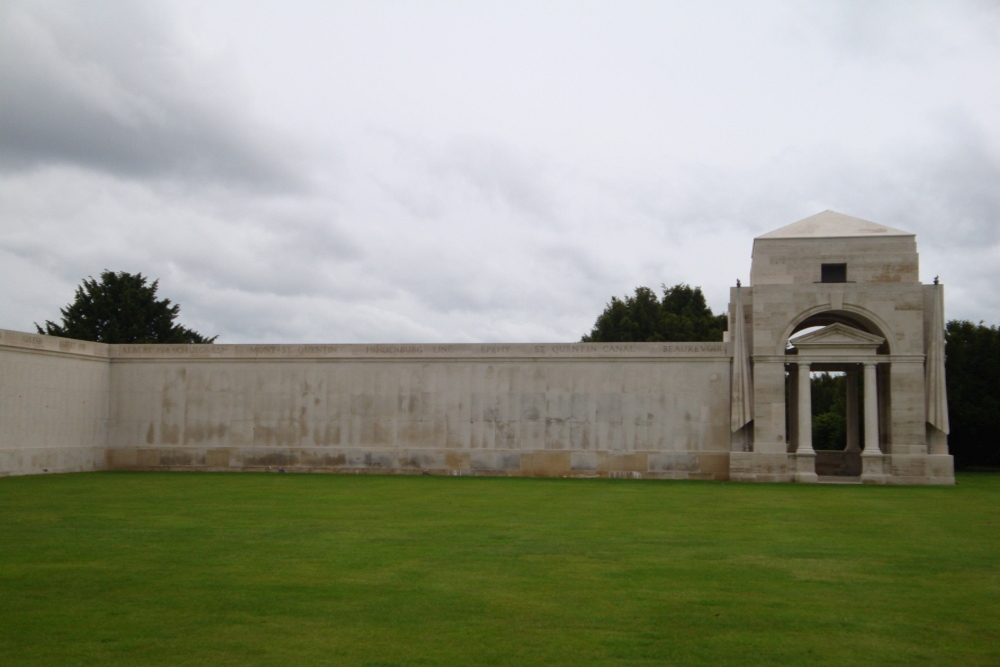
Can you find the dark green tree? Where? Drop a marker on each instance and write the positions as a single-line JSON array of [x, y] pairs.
[[972, 369], [829, 431], [682, 315], [121, 308], [829, 409]]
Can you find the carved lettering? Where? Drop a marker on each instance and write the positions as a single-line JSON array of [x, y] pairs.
[[322, 349], [34, 341], [576, 347], [394, 349], [493, 349], [694, 347], [186, 350]]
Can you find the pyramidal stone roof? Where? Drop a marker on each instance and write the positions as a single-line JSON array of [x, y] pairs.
[[830, 224]]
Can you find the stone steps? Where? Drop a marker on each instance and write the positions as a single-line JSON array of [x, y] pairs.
[[838, 479]]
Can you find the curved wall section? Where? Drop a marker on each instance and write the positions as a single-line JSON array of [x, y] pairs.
[[53, 404]]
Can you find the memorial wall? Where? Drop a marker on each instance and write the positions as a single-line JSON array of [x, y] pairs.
[[54, 395], [652, 410]]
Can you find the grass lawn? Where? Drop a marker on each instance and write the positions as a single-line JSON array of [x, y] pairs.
[[270, 569]]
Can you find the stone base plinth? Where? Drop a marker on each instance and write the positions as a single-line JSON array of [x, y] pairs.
[[761, 467], [921, 469], [415, 461], [42, 460], [805, 467], [872, 468]]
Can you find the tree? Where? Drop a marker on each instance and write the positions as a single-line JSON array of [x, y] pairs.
[[829, 411], [682, 315], [972, 368], [829, 431], [121, 308]]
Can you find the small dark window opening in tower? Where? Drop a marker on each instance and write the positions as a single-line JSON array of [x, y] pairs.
[[833, 273]]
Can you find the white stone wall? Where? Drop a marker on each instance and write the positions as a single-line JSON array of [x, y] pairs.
[[53, 404], [631, 409], [797, 261], [658, 410]]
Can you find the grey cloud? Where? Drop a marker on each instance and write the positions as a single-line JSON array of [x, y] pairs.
[[916, 32], [473, 167], [292, 258], [289, 246], [120, 148], [309, 229], [943, 188], [955, 186], [108, 86], [499, 174]]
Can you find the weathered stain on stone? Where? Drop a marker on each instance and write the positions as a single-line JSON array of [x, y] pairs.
[[170, 434], [176, 458], [271, 459], [334, 460]]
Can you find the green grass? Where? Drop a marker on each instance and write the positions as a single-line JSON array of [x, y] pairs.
[[258, 569]]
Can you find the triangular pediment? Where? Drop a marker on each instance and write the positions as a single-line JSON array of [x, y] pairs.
[[830, 224], [837, 335]]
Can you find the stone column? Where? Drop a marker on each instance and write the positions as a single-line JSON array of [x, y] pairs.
[[805, 455], [871, 411], [872, 461], [805, 445], [793, 409], [853, 444]]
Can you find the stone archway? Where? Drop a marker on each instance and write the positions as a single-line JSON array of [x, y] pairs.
[[836, 347], [850, 316]]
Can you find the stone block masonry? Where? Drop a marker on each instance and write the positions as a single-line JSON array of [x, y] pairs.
[[54, 396], [654, 410]]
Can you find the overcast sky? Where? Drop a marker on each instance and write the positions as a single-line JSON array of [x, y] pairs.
[[479, 171]]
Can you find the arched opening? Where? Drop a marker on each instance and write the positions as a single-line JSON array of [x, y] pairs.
[[847, 318], [833, 364], [836, 416]]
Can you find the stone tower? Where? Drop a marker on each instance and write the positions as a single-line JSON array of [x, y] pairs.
[[837, 293]]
